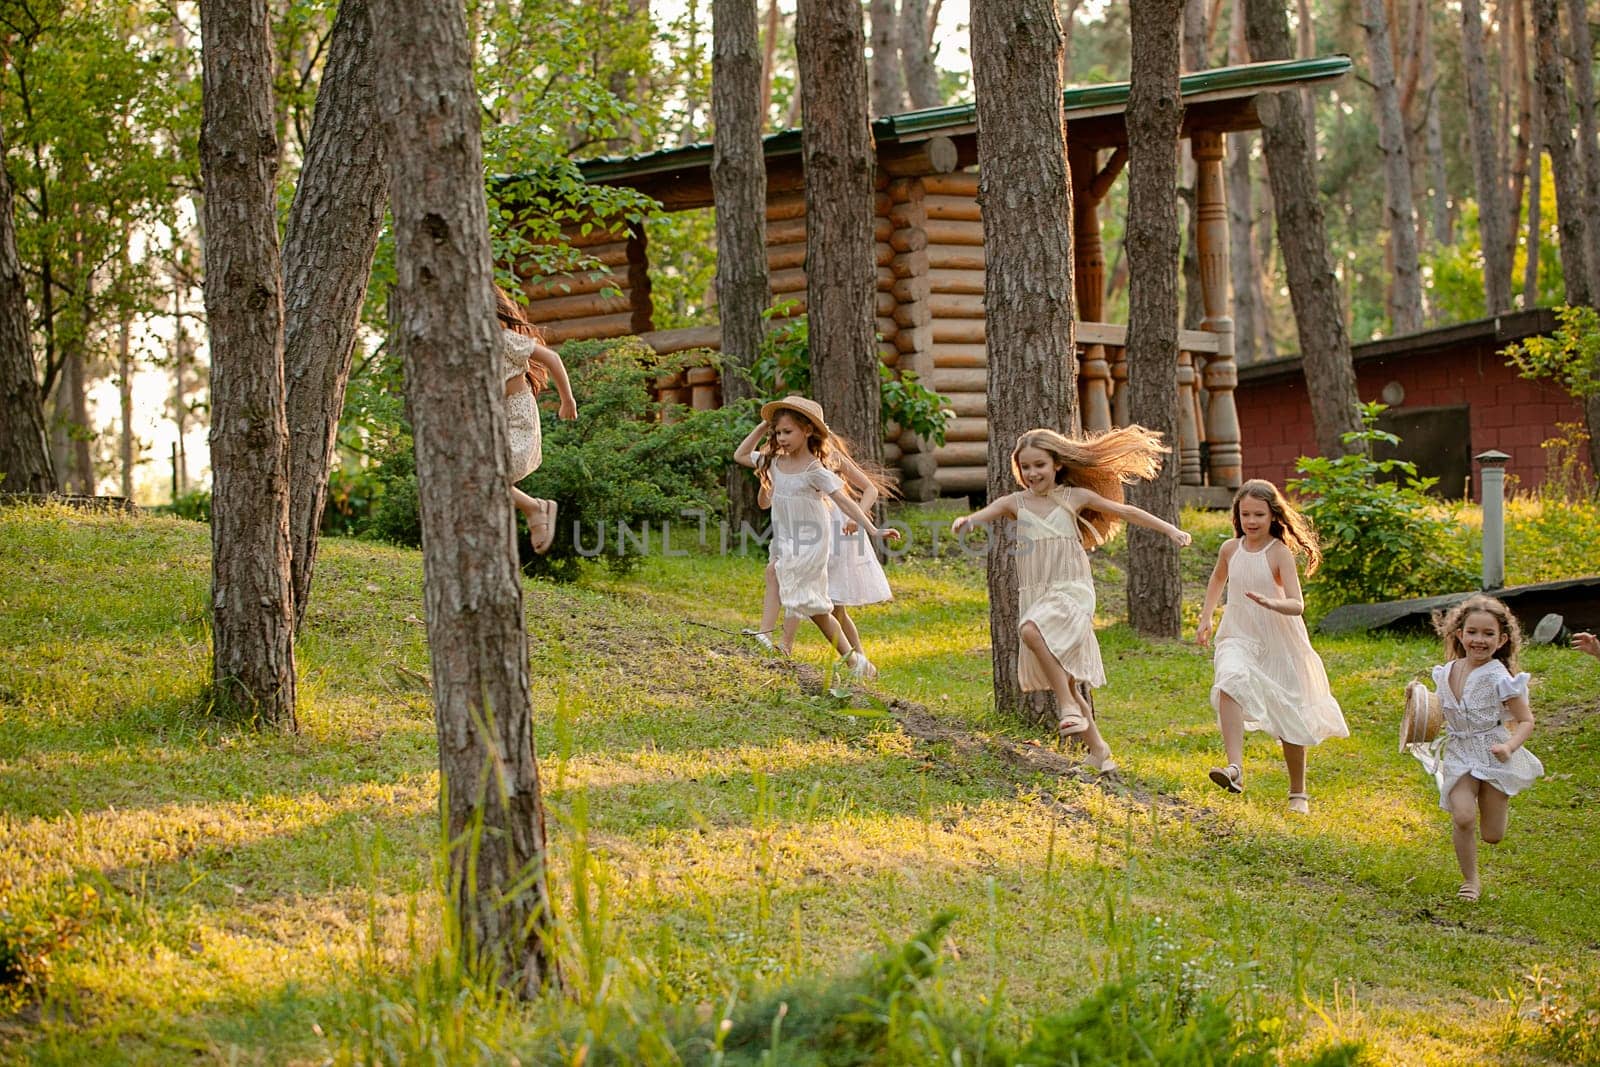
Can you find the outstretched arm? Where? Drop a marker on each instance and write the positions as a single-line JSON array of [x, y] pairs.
[[1214, 588], [1520, 730], [1004, 508], [550, 360], [1135, 516], [1587, 642], [1291, 602], [842, 500], [854, 475], [744, 455]]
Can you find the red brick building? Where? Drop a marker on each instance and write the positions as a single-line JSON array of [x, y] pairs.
[[1450, 393]]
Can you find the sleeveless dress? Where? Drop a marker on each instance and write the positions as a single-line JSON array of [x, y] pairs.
[[1055, 592], [524, 447], [854, 574], [801, 532], [1472, 726], [1264, 660]]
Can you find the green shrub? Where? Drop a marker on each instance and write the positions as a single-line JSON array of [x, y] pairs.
[[195, 505], [396, 515], [1381, 539], [783, 366]]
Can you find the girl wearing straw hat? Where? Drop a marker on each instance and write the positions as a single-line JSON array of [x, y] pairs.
[[795, 468]]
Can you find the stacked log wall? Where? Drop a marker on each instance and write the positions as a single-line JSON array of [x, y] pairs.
[[958, 354], [612, 301]]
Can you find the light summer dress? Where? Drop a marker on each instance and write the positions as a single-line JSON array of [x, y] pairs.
[[1055, 590], [801, 532], [524, 448], [1472, 726], [854, 574], [1264, 660]]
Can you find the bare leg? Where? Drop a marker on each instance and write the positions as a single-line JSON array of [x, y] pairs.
[[841, 615], [525, 504], [1493, 808], [831, 631], [1063, 685], [1230, 718], [1463, 826], [791, 627], [1294, 758], [770, 604]]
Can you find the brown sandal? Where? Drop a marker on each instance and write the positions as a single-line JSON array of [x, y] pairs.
[[1230, 777]]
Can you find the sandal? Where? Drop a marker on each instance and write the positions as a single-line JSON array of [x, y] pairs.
[[1071, 725], [1107, 765], [1468, 892], [1300, 803], [1230, 777], [543, 532]]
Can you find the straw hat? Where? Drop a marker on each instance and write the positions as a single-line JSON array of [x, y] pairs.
[[1423, 718], [809, 409]]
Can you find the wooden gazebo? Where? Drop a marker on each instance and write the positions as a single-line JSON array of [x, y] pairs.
[[930, 261]]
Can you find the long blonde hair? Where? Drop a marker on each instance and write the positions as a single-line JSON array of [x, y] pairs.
[[512, 318], [1448, 624], [1288, 525], [1100, 463], [832, 451]]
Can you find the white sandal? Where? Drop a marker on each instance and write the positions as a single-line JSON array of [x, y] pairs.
[[1300, 803]]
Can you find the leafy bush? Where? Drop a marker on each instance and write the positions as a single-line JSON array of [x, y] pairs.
[[195, 505], [396, 516], [783, 366], [1571, 358], [1381, 539]]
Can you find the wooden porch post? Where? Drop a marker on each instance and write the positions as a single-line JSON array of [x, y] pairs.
[[1221, 373], [1089, 275]]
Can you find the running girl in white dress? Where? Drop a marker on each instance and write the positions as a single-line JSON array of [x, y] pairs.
[[527, 364], [794, 465], [1268, 677], [1478, 761], [1072, 491]]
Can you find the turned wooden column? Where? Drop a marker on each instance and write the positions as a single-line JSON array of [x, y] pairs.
[[1189, 472], [1089, 280], [1221, 373]]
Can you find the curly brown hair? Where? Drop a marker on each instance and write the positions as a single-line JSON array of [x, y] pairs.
[[1448, 624], [1100, 463], [1288, 524], [513, 318]]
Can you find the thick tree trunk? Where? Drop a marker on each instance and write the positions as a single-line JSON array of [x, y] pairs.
[[476, 640], [1028, 294], [125, 397], [327, 260], [1519, 86], [1303, 236], [252, 604], [888, 83], [1565, 165], [1155, 110], [739, 186], [769, 59], [1485, 161], [916, 55], [1581, 53], [25, 465], [1405, 295], [1249, 303], [1195, 34], [1530, 265], [1433, 136], [841, 269]]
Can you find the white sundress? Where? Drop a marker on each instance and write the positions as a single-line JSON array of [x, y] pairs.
[[1055, 592], [801, 532], [855, 576], [1472, 726], [1265, 662], [524, 445]]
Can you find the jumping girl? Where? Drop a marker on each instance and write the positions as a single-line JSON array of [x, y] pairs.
[[527, 365]]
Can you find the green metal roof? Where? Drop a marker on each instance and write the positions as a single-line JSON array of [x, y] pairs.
[[917, 125]]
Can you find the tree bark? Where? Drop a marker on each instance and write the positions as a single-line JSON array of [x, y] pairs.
[[739, 187], [1565, 166], [327, 260], [769, 58], [125, 398], [1249, 303], [916, 55], [1303, 236], [445, 331], [1028, 288], [1485, 162], [1405, 294], [1155, 111], [888, 83], [1195, 35], [1581, 54], [25, 465], [1433, 136], [1519, 86], [1530, 265], [252, 603], [841, 269]]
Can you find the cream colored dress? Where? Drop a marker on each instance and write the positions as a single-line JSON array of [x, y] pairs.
[[801, 532], [855, 576], [1472, 726], [1055, 590], [1264, 660], [524, 445]]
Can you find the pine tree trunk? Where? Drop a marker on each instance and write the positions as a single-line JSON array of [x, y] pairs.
[[916, 55], [1565, 164], [841, 268], [1195, 34], [1028, 287], [1433, 137], [888, 83], [739, 187], [1519, 86], [125, 398], [445, 331], [327, 260], [25, 465], [252, 603], [1405, 299], [1581, 53], [769, 59], [1303, 237], [1530, 266], [1485, 161], [1155, 110]]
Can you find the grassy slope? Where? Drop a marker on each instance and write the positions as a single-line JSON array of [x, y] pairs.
[[736, 827]]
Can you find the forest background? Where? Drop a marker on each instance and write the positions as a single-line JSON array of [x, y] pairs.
[[100, 111]]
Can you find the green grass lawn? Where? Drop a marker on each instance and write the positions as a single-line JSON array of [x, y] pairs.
[[174, 888]]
